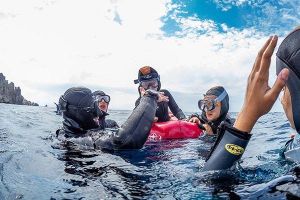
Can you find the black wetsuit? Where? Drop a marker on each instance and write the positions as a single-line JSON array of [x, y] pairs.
[[132, 134], [162, 112]]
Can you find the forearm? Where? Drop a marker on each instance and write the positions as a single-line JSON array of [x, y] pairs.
[[174, 107], [134, 132], [228, 148], [180, 115], [245, 122]]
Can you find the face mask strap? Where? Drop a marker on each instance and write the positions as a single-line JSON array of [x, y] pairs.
[[64, 106], [221, 96], [147, 77]]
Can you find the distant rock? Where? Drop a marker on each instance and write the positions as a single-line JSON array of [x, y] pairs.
[[11, 94]]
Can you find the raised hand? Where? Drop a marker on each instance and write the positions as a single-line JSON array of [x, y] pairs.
[[260, 97]]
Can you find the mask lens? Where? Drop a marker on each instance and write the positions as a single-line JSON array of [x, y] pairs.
[[201, 104], [105, 98], [206, 105], [151, 84]]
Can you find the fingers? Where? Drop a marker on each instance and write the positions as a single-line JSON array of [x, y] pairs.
[[257, 62], [142, 91], [166, 98], [266, 58], [162, 98], [194, 120], [278, 85]]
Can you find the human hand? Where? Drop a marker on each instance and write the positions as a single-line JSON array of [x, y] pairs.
[[195, 120], [155, 119], [142, 91], [260, 97], [208, 129], [162, 97]]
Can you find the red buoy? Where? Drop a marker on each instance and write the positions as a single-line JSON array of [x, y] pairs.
[[173, 130]]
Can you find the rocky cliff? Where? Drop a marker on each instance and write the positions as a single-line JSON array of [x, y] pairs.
[[11, 94]]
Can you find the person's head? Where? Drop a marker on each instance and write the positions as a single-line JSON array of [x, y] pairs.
[[103, 100], [148, 78], [215, 104], [288, 56], [79, 105]]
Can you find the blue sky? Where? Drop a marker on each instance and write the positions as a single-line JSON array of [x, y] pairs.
[[48, 46], [266, 16]]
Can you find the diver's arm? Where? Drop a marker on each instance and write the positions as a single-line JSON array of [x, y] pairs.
[[134, 132], [258, 101], [137, 102], [173, 105], [260, 97], [228, 148]]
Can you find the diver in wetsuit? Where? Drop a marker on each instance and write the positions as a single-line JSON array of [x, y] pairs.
[[81, 114], [148, 78], [288, 56], [259, 99], [103, 102], [214, 107]]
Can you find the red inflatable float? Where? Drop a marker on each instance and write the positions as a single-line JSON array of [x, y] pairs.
[[173, 130]]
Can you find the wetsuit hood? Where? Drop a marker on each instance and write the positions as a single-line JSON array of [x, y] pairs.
[[288, 56], [79, 109], [217, 91], [99, 93]]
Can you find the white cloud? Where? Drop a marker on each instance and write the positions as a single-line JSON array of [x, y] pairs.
[[61, 43], [226, 5]]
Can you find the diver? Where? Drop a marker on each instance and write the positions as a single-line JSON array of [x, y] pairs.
[[214, 107], [259, 99], [81, 114], [288, 57], [103, 102], [148, 78]]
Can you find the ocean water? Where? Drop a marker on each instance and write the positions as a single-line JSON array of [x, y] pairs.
[[30, 168]]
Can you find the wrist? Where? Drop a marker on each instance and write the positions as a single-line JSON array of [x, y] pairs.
[[245, 122]]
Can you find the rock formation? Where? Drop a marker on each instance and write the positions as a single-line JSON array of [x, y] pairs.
[[11, 94]]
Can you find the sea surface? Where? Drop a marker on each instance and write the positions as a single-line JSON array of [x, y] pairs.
[[31, 168]]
